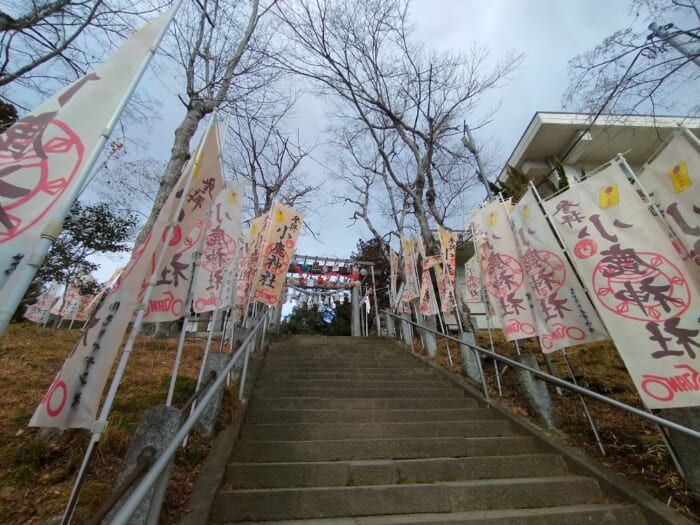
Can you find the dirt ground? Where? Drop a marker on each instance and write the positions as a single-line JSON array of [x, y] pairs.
[[38, 468]]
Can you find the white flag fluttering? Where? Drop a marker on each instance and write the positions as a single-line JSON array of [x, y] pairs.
[[39, 311], [167, 302], [394, 278], [561, 309], [73, 398], [427, 305], [673, 181], [220, 250], [278, 251], [472, 277], [503, 272], [645, 300], [43, 155], [411, 289]]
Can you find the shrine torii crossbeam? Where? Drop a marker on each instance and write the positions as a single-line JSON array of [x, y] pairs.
[[333, 274]]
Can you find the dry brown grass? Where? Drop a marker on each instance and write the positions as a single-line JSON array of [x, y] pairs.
[[37, 470], [634, 447]]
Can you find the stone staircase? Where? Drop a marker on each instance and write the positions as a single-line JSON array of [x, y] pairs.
[[357, 431]]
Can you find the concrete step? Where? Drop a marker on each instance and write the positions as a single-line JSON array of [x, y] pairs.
[[389, 472], [257, 403], [336, 366], [604, 514], [349, 375], [371, 384], [470, 495], [319, 431], [367, 416], [354, 393], [351, 449]]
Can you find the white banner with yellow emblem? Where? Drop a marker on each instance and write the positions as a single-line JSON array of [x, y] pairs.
[[635, 276]]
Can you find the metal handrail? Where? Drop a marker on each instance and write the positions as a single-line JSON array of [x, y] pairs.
[[561, 382], [143, 462], [186, 407], [140, 492]]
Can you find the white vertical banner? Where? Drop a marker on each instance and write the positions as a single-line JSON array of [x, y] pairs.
[[167, 301], [504, 276], [645, 299], [472, 281], [220, 249], [411, 289], [394, 278], [43, 156], [38, 311], [446, 278], [563, 313], [672, 179], [427, 305], [72, 400]]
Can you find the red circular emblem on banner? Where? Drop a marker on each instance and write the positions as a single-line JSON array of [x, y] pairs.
[[648, 287], [39, 157], [546, 272], [585, 248], [505, 275]]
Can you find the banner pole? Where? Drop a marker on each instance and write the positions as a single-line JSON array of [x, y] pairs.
[[487, 313], [21, 279], [622, 162], [101, 423], [186, 319]]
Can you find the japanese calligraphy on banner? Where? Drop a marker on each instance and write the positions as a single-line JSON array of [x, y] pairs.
[[504, 275], [427, 304], [167, 301], [73, 397], [39, 311], [394, 277], [645, 300], [446, 279], [563, 315], [411, 289], [673, 180], [472, 278], [279, 248], [249, 268], [42, 154], [220, 249]]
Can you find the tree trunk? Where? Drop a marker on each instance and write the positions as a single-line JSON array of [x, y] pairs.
[[178, 156]]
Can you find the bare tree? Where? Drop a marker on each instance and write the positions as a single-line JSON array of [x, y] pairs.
[[221, 62], [260, 152], [406, 101], [48, 43], [633, 71]]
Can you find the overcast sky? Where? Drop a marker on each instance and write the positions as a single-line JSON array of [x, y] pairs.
[[547, 32]]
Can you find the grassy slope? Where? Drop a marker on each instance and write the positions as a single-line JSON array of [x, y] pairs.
[[37, 470]]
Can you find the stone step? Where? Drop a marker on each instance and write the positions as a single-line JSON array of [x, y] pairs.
[[360, 403], [253, 451], [320, 431], [470, 495], [570, 515], [285, 384], [350, 393], [338, 366], [390, 472], [367, 416], [348, 375]]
